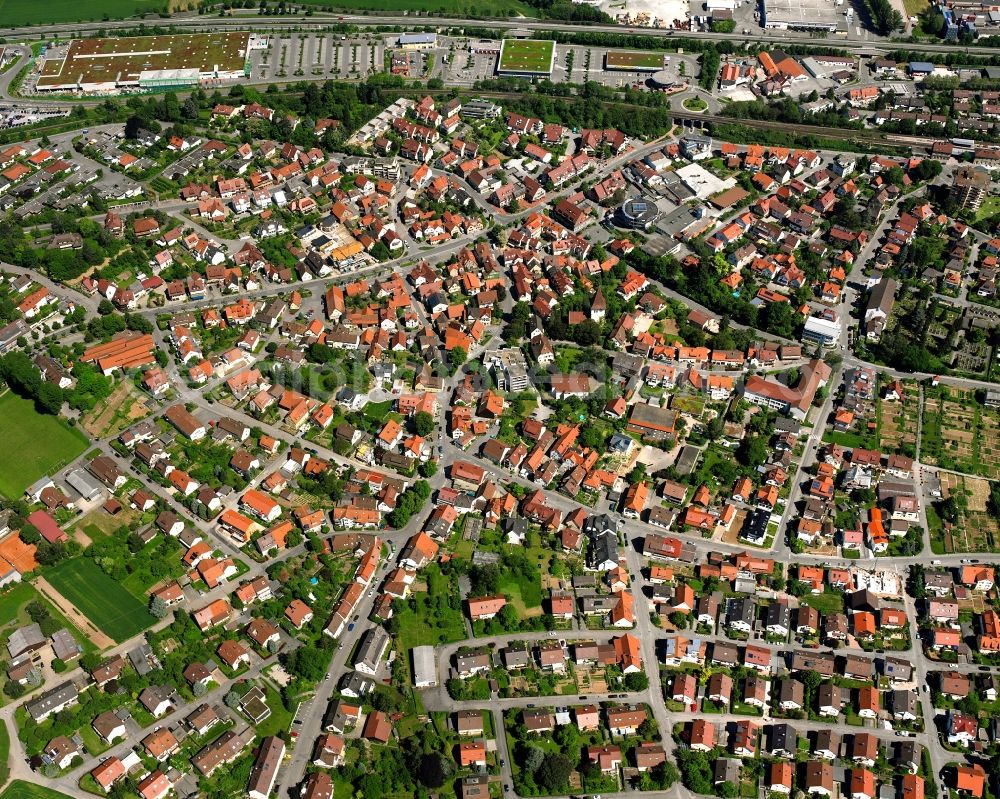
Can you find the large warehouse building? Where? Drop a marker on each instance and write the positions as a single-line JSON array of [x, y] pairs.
[[110, 66], [822, 15]]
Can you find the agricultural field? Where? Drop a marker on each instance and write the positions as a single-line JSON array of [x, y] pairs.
[[464, 8], [106, 603], [25, 12], [44, 444], [958, 433], [976, 530], [19, 789], [633, 61], [898, 421], [526, 56]]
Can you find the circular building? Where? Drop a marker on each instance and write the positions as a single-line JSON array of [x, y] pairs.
[[637, 214], [662, 80]]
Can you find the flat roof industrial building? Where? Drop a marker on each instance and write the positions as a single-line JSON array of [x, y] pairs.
[[107, 66], [826, 15], [526, 57], [424, 667]]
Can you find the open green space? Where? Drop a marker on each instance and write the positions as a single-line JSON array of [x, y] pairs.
[[102, 600], [43, 443], [19, 789], [434, 617], [526, 56]]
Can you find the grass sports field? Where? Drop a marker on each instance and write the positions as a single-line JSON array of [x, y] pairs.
[[34, 444], [19, 789], [631, 60], [534, 56], [106, 603]]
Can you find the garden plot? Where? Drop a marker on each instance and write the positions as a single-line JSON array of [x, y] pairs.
[[958, 433], [976, 530], [898, 421]]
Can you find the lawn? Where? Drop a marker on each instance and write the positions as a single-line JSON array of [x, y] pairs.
[[526, 56], [991, 205], [376, 411], [43, 443], [280, 719], [525, 595], [19, 789], [826, 603], [106, 603], [914, 8]]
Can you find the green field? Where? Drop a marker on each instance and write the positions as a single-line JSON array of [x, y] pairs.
[[526, 56], [24, 12], [43, 443], [19, 789], [106, 603]]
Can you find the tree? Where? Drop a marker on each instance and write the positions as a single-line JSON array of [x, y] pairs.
[[508, 617], [158, 608], [307, 662], [37, 612], [423, 423], [29, 534], [752, 451], [199, 689], [727, 790], [811, 679], [458, 356], [533, 757], [434, 770], [554, 772], [637, 681], [132, 127], [232, 700]]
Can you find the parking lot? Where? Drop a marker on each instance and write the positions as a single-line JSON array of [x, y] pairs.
[[318, 56]]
